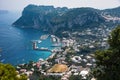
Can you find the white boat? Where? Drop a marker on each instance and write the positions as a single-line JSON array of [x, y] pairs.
[[43, 37], [39, 41], [42, 48], [56, 45], [41, 59]]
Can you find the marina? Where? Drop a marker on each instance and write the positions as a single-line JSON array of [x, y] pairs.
[[55, 40], [35, 47]]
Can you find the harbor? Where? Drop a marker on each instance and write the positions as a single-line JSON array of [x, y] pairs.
[[35, 47], [55, 43]]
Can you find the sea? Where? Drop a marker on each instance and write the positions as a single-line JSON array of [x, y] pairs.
[[16, 43]]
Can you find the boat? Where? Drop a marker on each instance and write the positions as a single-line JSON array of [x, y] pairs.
[[39, 41], [42, 48], [43, 37], [56, 45], [41, 59]]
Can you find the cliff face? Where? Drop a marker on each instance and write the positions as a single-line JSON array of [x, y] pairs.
[[39, 17], [48, 18]]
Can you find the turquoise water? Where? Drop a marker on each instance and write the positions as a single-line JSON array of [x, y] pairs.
[[16, 43]]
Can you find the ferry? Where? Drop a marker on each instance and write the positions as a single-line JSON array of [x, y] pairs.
[[42, 49], [56, 45]]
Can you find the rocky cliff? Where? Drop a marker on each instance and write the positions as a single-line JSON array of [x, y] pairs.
[[57, 20]]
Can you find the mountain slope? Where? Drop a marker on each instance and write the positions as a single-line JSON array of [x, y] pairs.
[[57, 20]]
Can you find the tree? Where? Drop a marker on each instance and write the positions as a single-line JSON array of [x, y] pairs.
[[8, 72], [114, 39], [108, 61]]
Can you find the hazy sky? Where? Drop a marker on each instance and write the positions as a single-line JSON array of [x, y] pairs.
[[20, 4]]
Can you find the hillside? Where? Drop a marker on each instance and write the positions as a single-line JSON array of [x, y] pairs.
[[57, 20]]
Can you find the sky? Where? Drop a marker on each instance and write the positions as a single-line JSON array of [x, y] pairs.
[[14, 5]]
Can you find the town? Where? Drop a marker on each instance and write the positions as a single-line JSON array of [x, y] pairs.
[[75, 57]]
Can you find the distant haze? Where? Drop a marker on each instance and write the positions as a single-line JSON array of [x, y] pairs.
[[14, 5]]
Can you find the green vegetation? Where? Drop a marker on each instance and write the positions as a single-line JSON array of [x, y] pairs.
[[78, 77], [38, 76], [8, 72], [72, 77], [108, 61], [42, 77]]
